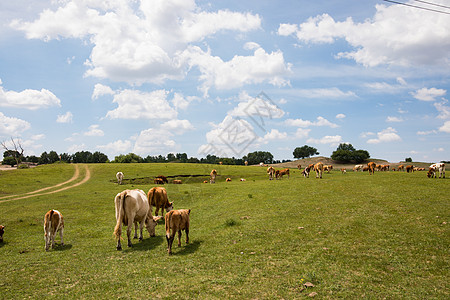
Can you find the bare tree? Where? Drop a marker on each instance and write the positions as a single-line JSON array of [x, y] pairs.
[[15, 153]]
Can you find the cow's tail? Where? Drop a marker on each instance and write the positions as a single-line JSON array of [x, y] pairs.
[[119, 213], [168, 221], [150, 195]]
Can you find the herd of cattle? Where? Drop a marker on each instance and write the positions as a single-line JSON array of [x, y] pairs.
[[134, 206]]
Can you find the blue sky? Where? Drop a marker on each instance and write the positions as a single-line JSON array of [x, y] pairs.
[[225, 78]]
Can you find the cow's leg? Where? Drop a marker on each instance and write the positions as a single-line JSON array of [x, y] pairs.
[[135, 230], [47, 241], [61, 236], [141, 227], [129, 229], [187, 235], [179, 238], [157, 210], [169, 243], [53, 239]]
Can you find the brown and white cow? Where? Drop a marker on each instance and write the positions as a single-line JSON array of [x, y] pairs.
[[2, 231], [176, 181], [435, 168], [371, 165], [119, 177], [343, 170], [157, 197], [327, 168], [53, 222], [228, 179], [306, 171], [357, 168], [212, 176], [271, 172], [318, 167], [176, 221], [280, 173], [132, 207]]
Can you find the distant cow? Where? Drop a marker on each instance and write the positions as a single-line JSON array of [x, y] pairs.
[[242, 179], [205, 181], [271, 172], [280, 173], [119, 177], [357, 168], [212, 176], [176, 221], [343, 170], [176, 181], [157, 197], [328, 168], [434, 168], [53, 222], [318, 167], [228, 179], [299, 166], [409, 169], [246, 163], [158, 181], [401, 167], [132, 207], [371, 167], [306, 171], [2, 231], [163, 178]]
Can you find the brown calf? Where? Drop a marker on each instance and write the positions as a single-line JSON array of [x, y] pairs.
[[157, 197], [53, 222], [372, 167], [176, 181], [2, 231], [176, 220], [158, 181]]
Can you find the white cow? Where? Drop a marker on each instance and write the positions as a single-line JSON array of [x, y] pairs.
[[357, 168], [132, 206], [436, 167], [119, 177], [53, 222]]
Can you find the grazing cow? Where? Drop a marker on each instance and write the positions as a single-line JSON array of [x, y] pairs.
[[371, 167], [220, 163], [246, 163], [132, 207], [176, 181], [53, 222], [343, 170], [212, 176], [271, 172], [157, 197], [280, 173], [409, 169], [119, 177], [328, 168], [261, 164], [205, 181], [401, 167], [318, 167], [228, 179], [365, 169], [163, 178], [299, 166], [242, 179], [2, 231], [357, 168], [158, 181], [306, 171], [385, 167], [176, 220], [434, 168]]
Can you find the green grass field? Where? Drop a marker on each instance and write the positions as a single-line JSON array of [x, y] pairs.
[[351, 235]]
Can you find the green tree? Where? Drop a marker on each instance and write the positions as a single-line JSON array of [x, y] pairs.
[[409, 159], [43, 159], [347, 153], [257, 157], [53, 157], [9, 160], [304, 152]]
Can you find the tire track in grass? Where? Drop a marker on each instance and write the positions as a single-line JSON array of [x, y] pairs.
[[39, 192]]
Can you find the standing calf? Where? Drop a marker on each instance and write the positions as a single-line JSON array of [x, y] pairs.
[[2, 230], [53, 222], [119, 177], [176, 220]]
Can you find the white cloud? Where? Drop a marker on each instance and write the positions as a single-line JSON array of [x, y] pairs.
[[256, 107], [76, 148], [391, 119], [177, 127], [10, 126], [118, 146], [133, 104], [274, 134], [425, 94], [332, 140], [66, 118], [396, 35], [28, 99], [94, 130], [302, 133], [154, 141], [330, 93], [139, 41], [321, 121], [444, 111], [387, 135], [340, 116], [426, 132], [445, 127], [101, 90]]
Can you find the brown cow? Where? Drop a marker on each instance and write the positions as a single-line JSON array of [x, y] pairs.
[[343, 170], [2, 231], [228, 179], [401, 167], [318, 167], [271, 172], [164, 178], [176, 220], [157, 197], [132, 206], [176, 181], [306, 171], [53, 222], [299, 166], [328, 168], [371, 167], [409, 168], [158, 181], [212, 176], [280, 173]]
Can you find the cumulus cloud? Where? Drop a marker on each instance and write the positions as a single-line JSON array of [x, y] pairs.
[[118, 146], [321, 121], [101, 90], [274, 134], [154, 141], [28, 99], [65, 118], [444, 110], [152, 41], [134, 104], [425, 94], [445, 127], [396, 35], [391, 119], [177, 126], [387, 135], [329, 93], [331, 140], [11, 126], [340, 116], [94, 130], [256, 107]]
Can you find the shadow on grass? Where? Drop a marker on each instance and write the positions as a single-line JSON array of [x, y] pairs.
[[59, 247], [2, 244], [186, 249], [148, 243]]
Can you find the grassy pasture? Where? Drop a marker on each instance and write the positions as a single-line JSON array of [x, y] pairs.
[[351, 235]]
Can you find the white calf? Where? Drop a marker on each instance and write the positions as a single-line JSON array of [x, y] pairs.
[[119, 177]]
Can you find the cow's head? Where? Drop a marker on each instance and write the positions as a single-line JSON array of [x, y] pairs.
[[2, 230], [169, 207], [150, 224], [430, 173]]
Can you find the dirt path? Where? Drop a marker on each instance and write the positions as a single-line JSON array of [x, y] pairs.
[[39, 192]]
